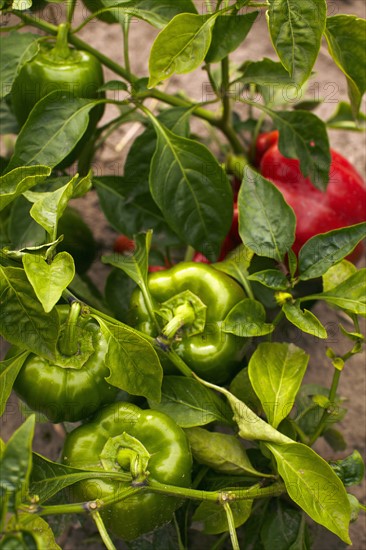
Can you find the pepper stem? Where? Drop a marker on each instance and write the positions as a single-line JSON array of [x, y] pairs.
[[62, 49], [128, 459], [183, 315], [68, 343]]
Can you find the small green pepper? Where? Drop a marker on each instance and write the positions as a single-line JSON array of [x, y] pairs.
[[144, 443], [58, 67], [194, 326], [73, 386]]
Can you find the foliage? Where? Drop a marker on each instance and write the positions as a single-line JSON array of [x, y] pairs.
[[251, 438]]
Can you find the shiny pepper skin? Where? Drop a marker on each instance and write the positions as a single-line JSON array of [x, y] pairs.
[[68, 393], [72, 74], [102, 445], [342, 204], [213, 353]]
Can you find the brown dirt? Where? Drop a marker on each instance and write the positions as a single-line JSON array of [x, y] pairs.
[[329, 81]]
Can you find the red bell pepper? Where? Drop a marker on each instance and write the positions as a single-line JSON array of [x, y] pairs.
[[342, 204]]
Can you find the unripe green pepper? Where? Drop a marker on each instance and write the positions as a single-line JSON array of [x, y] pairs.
[[200, 341], [73, 386], [58, 67], [145, 443]]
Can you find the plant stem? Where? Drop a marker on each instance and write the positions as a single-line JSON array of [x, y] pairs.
[[80, 44], [207, 68], [208, 6], [71, 4], [183, 315], [231, 525], [103, 531], [61, 49], [125, 32], [327, 412], [83, 507], [226, 115], [68, 343], [254, 492], [189, 255]]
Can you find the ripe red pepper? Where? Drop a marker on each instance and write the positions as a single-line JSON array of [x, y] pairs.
[[123, 244], [342, 204]]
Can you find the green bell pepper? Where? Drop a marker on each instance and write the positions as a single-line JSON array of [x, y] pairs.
[[73, 386], [56, 66], [144, 443], [192, 300]]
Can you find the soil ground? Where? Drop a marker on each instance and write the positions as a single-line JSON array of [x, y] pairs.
[[328, 82]]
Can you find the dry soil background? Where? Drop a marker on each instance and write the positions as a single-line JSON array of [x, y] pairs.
[[329, 82]]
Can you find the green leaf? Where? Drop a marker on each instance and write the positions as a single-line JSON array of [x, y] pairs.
[[19, 180], [8, 122], [126, 200], [118, 291], [296, 31], [155, 12], [49, 280], [128, 211], [350, 295], [283, 527], [48, 207], [242, 388], [192, 191], [136, 264], [221, 452], [265, 72], [266, 222], [49, 478], [271, 278], [322, 251], [23, 321], [190, 403], [356, 507], [236, 263], [337, 274], [115, 85], [345, 35], [350, 470], [37, 528], [180, 47], [16, 462], [52, 130], [335, 439], [16, 50], [235, 29], [343, 119], [82, 186], [304, 320], [276, 371], [302, 135], [251, 426], [133, 363], [212, 516], [23, 230], [247, 318], [9, 369], [312, 484]]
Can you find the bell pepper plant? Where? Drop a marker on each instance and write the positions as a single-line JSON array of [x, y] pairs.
[[157, 266]]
